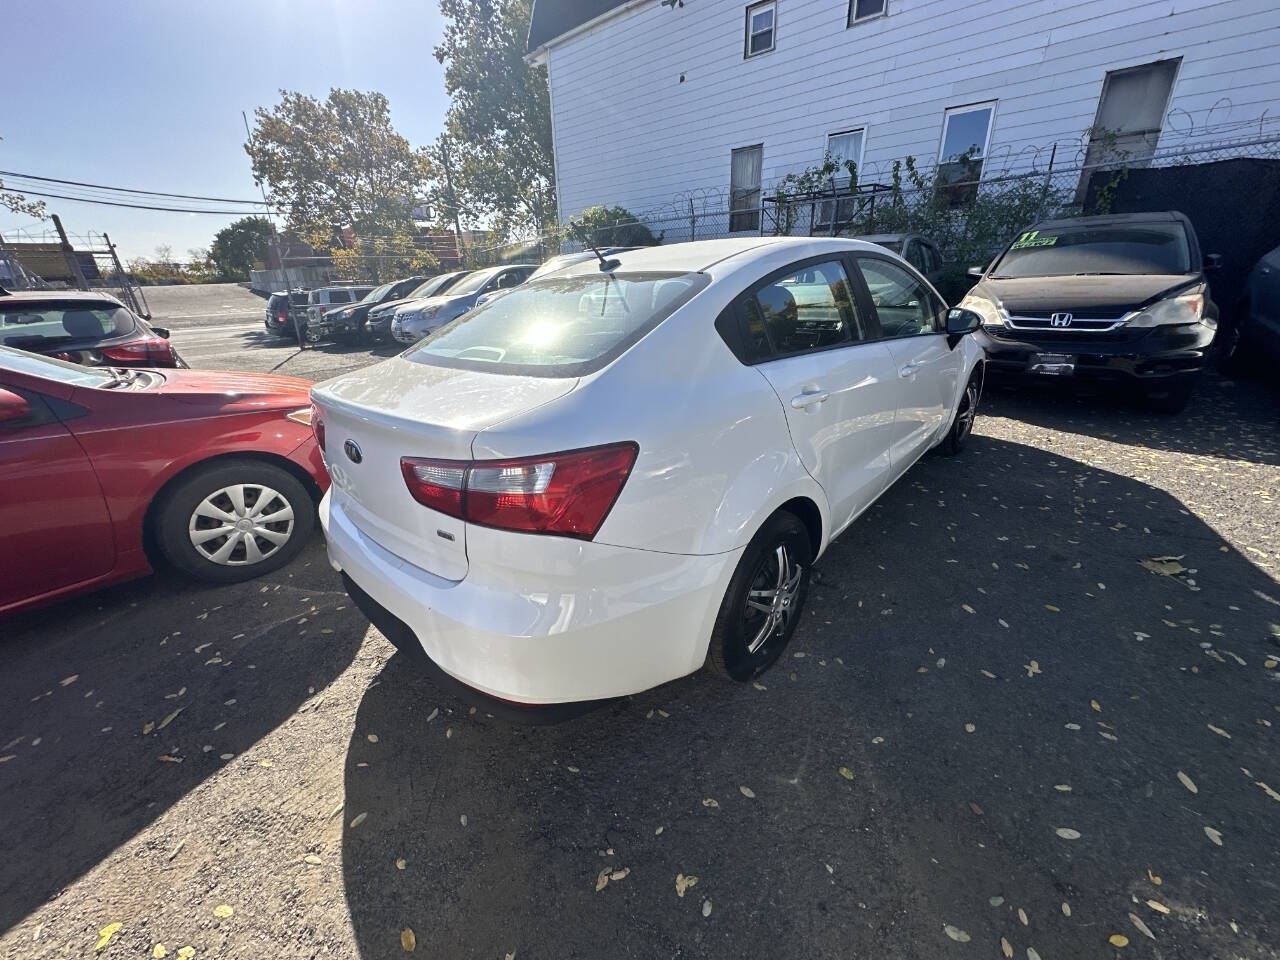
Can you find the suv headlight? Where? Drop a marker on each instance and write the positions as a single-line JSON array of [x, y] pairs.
[[1187, 308], [428, 312], [992, 315]]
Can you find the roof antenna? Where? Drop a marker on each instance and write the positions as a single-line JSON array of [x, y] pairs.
[[606, 266]]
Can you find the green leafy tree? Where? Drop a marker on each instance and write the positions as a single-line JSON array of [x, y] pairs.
[[379, 259], [611, 227], [337, 162], [237, 247], [498, 128]]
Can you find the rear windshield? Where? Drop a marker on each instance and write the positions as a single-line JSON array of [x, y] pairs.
[[38, 326], [69, 373], [1149, 248], [559, 326]]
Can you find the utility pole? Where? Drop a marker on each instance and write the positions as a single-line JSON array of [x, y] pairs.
[[68, 252], [453, 197]]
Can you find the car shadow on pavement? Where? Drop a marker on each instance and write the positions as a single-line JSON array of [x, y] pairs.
[[1227, 419], [977, 733], [115, 705]]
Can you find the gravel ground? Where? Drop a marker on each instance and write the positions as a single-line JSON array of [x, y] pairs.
[[996, 734]]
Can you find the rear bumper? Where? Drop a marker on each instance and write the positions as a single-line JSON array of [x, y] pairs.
[[308, 457], [1153, 358], [589, 622]]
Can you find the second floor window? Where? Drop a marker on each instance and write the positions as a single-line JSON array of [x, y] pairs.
[[760, 28], [966, 133], [866, 9]]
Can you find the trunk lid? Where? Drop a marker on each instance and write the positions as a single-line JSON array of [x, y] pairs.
[[400, 408]]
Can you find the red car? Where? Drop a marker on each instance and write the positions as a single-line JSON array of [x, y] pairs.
[[104, 469], [92, 328]]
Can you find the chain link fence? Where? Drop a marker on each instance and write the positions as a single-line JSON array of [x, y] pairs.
[[967, 215]]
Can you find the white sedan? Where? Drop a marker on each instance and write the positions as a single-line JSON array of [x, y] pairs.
[[616, 474]]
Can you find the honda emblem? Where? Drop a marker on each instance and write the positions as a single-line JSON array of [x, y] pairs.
[[1060, 320]]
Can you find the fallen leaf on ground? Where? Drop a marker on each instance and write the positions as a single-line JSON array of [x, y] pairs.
[[1032, 668], [186, 953], [658, 832], [1006, 947], [706, 908], [969, 728], [159, 951], [747, 792], [1214, 835], [1022, 917], [1095, 705], [1218, 730], [967, 609], [312, 859], [408, 941], [107, 932], [1267, 790], [955, 933], [373, 738], [996, 901], [222, 911], [1164, 566], [602, 879], [1062, 787], [710, 802], [1118, 940], [169, 719], [1188, 782], [358, 819], [1067, 833], [1051, 608], [1157, 906], [1153, 877], [401, 863], [68, 681], [148, 727], [1142, 927], [846, 773], [266, 763], [1066, 909], [683, 883], [178, 849]]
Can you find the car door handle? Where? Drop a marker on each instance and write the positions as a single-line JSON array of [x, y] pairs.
[[807, 399], [909, 369]]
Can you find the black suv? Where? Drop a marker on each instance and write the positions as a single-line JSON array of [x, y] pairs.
[[1117, 299], [349, 322], [281, 308]]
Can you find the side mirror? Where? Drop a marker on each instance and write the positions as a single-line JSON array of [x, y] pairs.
[[13, 407], [960, 322], [975, 272], [162, 332], [1213, 261]]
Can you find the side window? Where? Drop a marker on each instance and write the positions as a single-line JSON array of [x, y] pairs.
[[903, 303], [339, 296], [914, 255], [929, 257], [807, 309], [510, 279]]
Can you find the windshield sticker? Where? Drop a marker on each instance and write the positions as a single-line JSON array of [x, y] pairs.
[[1033, 239]]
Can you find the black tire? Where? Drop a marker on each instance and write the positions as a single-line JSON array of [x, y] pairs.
[[311, 336], [966, 414], [1171, 398], [1227, 345], [738, 625], [176, 521]]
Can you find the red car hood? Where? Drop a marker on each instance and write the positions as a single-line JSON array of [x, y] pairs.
[[231, 389]]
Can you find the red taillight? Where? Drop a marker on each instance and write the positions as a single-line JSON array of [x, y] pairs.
[[150, 351], [282, 316], [568, 494]]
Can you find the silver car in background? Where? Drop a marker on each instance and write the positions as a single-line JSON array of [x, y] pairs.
[[414, 321]]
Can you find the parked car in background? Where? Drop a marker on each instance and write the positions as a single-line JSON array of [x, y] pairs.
[[569, 259], [349, 322], [1120, 300], [601, 480], [282, 308], [92, 329], [323, 299], [379, 325], [410, 324], [104, 470], [916, 250], [1253, 331]]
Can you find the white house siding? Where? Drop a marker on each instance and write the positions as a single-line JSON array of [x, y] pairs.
[[628, 132]]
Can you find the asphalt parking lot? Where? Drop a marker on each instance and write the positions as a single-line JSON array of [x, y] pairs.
[[1012, 725]]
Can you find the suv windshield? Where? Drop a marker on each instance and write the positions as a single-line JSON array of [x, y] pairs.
[[46, 323], [432, 286], [60, 370], [473, 282], [559, 327], [377, 293], [1148, 248]]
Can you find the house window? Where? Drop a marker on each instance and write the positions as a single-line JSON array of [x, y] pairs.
[[860, 10], [1131, 111], [966, 134], [760, 28], [744, 188], [843, 147]]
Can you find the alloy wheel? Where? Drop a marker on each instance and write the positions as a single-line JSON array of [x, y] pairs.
[[241, 524], [771, 600], [967, 413]]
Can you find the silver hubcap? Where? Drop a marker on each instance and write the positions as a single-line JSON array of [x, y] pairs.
[[778, 602], [241, 524], [968, 411]]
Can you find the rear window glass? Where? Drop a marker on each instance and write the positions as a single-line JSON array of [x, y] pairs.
[[70, 373], [559, 326], [1148, 248], [38, 326]]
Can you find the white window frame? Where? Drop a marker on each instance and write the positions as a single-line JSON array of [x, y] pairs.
[[758, 210], [747, 53], [950, 112], [853, 6], [827, 209]]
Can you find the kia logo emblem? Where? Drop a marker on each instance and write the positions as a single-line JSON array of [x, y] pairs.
[[1060, 320], [352, 450]]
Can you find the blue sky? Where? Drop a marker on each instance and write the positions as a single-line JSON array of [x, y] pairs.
[[148, 94]]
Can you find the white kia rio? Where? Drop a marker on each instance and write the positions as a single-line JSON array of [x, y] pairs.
[[626, 469]]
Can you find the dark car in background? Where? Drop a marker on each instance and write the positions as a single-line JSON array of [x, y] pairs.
[[88, 328], [916, 250], [1120, 300], [1253, 332], [282, 309], [379, 324], [349, 322]]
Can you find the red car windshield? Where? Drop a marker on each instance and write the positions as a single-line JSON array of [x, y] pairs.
[[45, 324], [71, 373]]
